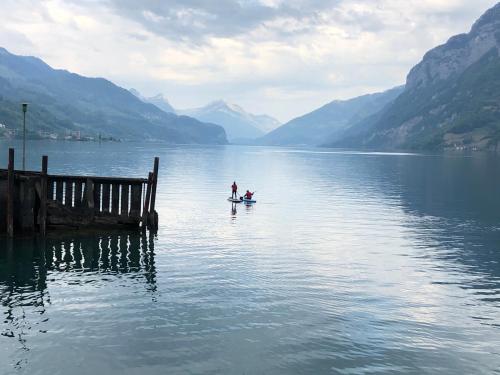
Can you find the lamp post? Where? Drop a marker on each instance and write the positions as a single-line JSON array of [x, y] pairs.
[[25, 108]]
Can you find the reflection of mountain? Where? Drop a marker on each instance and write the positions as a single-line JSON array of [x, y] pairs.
[[455, 209], [28, 266], [452, 214]]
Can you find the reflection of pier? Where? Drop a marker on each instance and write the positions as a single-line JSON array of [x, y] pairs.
[[113, 254], [27, 266]]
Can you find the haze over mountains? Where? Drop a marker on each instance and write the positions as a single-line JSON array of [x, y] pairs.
[[329, 121], [239, 124], [451, 100], [61, 101]]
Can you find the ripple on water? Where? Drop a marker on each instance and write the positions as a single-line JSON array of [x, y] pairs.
[[350, 263]]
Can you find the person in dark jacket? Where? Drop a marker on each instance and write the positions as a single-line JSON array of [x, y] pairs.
[[234, 189]]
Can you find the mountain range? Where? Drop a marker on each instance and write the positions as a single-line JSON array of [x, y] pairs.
[[451, 100], [329, 121], [158, 100], [240, 125], [62, 102]]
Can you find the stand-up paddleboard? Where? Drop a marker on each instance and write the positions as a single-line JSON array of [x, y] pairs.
[[249, 201], [234, 200]]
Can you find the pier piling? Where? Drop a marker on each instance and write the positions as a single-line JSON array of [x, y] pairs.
[[43, 197], [10, 194]]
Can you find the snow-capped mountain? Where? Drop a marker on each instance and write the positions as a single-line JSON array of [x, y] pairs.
[[238, 123], [158, 100]]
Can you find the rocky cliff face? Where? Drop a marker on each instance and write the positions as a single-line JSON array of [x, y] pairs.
[[460, 52], [451, 99]]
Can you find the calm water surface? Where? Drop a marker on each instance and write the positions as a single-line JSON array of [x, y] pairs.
[[350, 263]]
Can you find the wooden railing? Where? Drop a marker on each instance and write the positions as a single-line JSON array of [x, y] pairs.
[[65, 200], [116, 196]]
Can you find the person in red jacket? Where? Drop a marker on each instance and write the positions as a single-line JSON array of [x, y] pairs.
[[248, 195], [234, 189]]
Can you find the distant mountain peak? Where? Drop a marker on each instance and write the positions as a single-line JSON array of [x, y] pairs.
[[159, 97], [238, 123], [451, 100], [65, 102], [491, 16], [222, 104], [332, 119], [159, 100], [136, 93], [459, 52]]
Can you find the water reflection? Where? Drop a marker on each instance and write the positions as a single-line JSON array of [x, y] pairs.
[[349, 264], [29, 266], [451, 214]]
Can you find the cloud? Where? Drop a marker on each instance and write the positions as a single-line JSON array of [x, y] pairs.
[[198, 20], [282, 57]]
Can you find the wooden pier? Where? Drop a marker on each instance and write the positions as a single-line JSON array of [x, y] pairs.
[[35, 202]]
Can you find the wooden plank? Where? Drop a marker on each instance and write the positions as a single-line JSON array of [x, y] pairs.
[[59, 191], [68, 193], [124, 200], [102, 180], [78, 193], [105, 197], [145, 209], [43, 197], [115, 199], [135, 201], [10, 195], [97, 197], [155, 182], [153, 216], [25, 206], [89, 194]]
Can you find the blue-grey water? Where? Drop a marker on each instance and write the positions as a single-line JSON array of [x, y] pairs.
[[349, 263]]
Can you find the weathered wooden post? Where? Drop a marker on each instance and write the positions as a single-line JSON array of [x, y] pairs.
[[106, 196], [153, 217], [10, 194], [145, 210], [89, 194], [43, 198]]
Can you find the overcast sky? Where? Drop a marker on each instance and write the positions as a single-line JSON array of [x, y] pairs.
[[280, 57]]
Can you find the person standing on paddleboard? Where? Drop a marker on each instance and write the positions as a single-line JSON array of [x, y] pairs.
[[234, 189]]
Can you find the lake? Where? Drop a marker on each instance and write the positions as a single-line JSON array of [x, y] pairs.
[[349, 263]]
